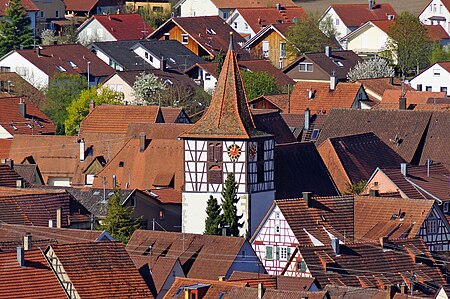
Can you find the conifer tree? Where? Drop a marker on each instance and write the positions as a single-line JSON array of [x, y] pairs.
[[15, 28], [213, 218], [230, 218], [119, 222]]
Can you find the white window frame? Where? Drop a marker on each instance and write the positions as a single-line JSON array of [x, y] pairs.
[[283, 253], [282, 50], [185, 39], [308, 67], [265, 48], [436, 72], [207, 76]]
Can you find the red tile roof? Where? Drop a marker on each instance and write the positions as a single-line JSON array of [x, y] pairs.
[[33, 123], [323, 99], [35, 280], [27, 4], [9, 177], [53, 58], [258, 18], [166, 195], [415, 100], [379, 85], [279, 282], [228, 115], [354, 15], [123, 26], [213, 288], [437, 140], [116, 118], [250, 3], [277, 101], [80, 5], [5, 145], [436, 32], [270, 121], [111, 272], [171, 114]]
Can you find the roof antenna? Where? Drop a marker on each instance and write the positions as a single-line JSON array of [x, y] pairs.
[[231, 46]]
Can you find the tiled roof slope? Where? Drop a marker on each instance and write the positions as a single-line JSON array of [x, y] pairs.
[[370, 262], [173, 75], [402, 130], [299, 168], [279, 101], [35, 280], [249, 293], [437, 141], [373, 217], [214, 287], [124, 26], [59, 55], [116, 118], [29, 172], [271, 122], [279, 282], [435, 186], [377, 86], [354, 15], [345, 292], [359, 155], [436, 32], [334, 214], [258, 18], [198, 254], [35, 121], [228, 115], [111, 271], [20, 87], [323, 98], [8, 177], [43, 236], [171, 114], [27, 4], [415, 100], [250, 3]]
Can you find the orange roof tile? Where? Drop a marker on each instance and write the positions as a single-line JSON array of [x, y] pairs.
[[228, 115], [124, 26], [250, 3], [415, 100], [323, 99]]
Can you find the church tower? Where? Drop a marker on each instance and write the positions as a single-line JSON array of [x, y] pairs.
[[225, 140]]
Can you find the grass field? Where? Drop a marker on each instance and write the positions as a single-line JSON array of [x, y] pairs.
[[319, 6]]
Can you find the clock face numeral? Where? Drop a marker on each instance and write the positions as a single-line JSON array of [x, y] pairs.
[[234, 151], [252, 152]]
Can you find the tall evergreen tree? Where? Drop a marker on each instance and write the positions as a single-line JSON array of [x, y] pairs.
[[15, 28], [230, 218], [119, 222], [213, 218]]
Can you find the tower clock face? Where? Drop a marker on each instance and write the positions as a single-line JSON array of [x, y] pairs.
[[234, 151]]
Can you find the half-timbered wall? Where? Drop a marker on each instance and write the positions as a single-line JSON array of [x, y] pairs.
[[435, 231], [261, 166]]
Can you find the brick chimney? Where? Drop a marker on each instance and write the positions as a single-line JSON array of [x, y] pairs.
[[141, 142], [27, 241], [59, 217], [91, 106], [307, 119]]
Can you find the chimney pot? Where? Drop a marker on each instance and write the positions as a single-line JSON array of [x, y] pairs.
[[59, 217], [50, 223], [307, 118], [307, 196], [335, 245], [403, 288], [261, 290], [27, 240], [370, 4], [402, 103], [142, 142], [22, 107], [278, 6], [21, 256], [114, 181], [328, 51], [391, 80], [221, 278], [19, 183], [310, 93], [10, 163], [163, 65], [82, 150], [224, 231], [404, 169], [333, 81]]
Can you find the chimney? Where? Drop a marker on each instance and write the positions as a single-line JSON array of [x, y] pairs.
[[391, 80], [328, 51], [19, 183], [114, 181], [278, 6], [374, 192], [333, 81], [221, 278], [402, 103], [142, 142], [428, 167], [307, 196], [261, 290], [390, 291], [82, 150], [22, 107], [9, 162], [27, 241], [383, 241], [403, 288], [59, 217], [91, 106], [310, 93], [370, 4], [404, 169], [224, 231], [21, 256], [163, 65], [307, 118], [38, 51], [335, 245], [51, 223]]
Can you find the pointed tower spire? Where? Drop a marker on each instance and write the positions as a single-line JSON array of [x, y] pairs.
[[228, 115]]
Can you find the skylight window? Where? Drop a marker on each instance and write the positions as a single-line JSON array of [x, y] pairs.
[[39, 124], [172, 60], [210, 31], [315, 134], [338, 63], [30, 126], [60, 68], [72, 64]]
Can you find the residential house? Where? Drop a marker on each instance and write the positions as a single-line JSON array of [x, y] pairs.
[[14, 85], [434, 78], [87, 8], [352, 159], [436, 12], [198, 254], [248, 21], [205, 36], [437, 34], [31, 10], [21, 117], [155, 6], [321, 97], [103, 28], [393, 218], [401, 263], [375, 87], [156, 209], [49, 11], [205, 74], [124, 82], [409, 181], [38, 66], [311, 221], [347, 17], [414, 100], [221, 8], [321, 66]]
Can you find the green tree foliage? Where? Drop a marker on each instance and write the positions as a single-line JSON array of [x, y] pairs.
[[48, 37], [79, 108], [147, 89], [153, 18], [119, 221], [219, 58], [327, 27], [356, 188], [213, 219], [259, 83], [15, 28], [230, 218], [439, 53], [69, 35], [305, 36], [62, 90], [409, 43]]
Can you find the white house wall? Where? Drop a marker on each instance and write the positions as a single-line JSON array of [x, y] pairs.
[[435, 77], [240, 25], [152, 60], [94, 32], [370, 40], [196, 8], [436, 9], [25, 69], [118, 84], [341, 29]]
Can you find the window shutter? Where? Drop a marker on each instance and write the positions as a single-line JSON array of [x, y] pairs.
[[278, 253], [269, 255], [288, 253], [211, 152], [219, 153]]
